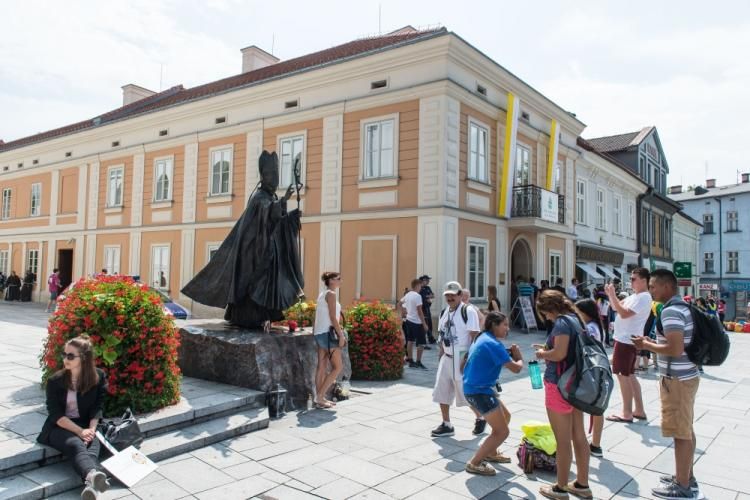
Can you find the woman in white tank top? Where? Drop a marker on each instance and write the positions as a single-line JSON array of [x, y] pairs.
[[327, 317]]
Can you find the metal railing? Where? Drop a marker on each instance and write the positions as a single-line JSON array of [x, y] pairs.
[[527, 202]]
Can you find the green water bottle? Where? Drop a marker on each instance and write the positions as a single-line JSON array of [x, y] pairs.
[[535, 375]]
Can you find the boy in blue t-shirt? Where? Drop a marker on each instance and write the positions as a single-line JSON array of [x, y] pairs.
[[484, 361]]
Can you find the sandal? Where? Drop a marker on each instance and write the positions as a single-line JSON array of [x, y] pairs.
[[640, 417], [323, 406], [618, 418]]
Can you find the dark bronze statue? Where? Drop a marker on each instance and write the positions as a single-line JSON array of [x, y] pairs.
[[256, 272]]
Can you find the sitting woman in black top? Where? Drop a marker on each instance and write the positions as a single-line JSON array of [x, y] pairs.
[[75, 396]]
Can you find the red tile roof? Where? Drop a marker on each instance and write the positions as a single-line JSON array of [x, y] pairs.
[[620, 142], [588, 146], [179, 95]]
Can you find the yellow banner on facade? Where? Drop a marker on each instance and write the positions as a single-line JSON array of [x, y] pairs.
[[506, 175], [554, 140]]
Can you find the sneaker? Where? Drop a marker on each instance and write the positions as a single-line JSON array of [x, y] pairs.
[[672, 491], [479, 426], [408, 361], [99, 481], [553, 491], [88, 493], [596, 451], [443, 430], [419, 365], [668, 478], [498, 458], [579, 492], [427, 348], [482, 469], [412, 364]]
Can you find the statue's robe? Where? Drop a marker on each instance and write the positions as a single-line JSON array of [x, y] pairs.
[[255, 274]]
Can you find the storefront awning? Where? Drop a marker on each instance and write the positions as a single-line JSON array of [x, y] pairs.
[[589, 269], [608, 271]]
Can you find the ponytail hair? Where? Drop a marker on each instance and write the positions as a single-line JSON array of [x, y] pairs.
[[327, 276]]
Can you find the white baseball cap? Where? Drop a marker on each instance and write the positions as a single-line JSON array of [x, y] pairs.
[[452, 288]]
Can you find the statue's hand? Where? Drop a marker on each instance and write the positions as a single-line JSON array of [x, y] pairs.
[[289, 192]]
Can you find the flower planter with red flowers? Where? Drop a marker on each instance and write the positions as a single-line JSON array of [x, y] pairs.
[[135, 342], [300, 315], [376, 346]]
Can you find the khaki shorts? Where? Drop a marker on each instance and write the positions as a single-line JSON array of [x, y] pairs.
[[447, 388], [677, 406]]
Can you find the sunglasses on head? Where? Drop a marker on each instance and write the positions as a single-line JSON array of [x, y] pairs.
[[70, 356]]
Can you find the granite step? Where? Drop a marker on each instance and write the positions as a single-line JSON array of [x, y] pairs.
[[201, 401], [53, 479]]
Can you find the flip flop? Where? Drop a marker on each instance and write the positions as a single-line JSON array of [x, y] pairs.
[[639, 417], [618, 418], [323, 406]]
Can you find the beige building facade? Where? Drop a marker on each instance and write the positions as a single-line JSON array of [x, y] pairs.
[[404, 152]]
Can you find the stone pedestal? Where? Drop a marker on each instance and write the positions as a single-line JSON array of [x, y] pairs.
[[234, 355]]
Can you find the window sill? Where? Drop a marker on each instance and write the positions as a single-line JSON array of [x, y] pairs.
[[733, 272], [113, 210], [707, 232], [377, 183], [733, 231], [219, 198], [161, 204], [479, 185]]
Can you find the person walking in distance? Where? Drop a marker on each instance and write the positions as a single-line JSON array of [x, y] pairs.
[[678, 383], [427, 297], [572, 290], [53, 285], [632, 314], [415, 326]]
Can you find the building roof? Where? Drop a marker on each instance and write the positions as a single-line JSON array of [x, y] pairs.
[[179, 94], [586, 144], [728, 190], [620, 142]]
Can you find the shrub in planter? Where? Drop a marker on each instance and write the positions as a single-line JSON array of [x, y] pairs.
[[135, 342], [375, 341], [302, 313]]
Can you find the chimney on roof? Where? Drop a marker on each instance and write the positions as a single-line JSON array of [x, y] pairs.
[[132, 93], [745, 176], [675, 189], [255, 58], [710, 183]]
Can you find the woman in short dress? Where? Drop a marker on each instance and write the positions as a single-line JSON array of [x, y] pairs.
[[327, 317]]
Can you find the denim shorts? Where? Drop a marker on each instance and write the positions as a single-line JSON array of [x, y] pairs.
[[322, 340], [483, 403]]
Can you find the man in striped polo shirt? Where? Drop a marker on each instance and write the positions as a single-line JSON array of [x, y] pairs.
[[679, 378]]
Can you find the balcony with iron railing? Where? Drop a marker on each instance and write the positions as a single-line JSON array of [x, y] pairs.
[[535, 202]]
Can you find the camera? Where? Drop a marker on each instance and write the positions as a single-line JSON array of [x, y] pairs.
[[445, 339]]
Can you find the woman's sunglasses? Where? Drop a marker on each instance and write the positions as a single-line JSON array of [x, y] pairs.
[[70, 356]]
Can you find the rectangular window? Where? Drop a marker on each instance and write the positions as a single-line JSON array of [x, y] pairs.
[[708, 262], [631, 220], [581, 202], [645, 226], [163, 169], [112, 259], [708, 223], [616, 221], [290, 148], [160, 267], [554, 267], [557, 178], [733, 262], [732, 221], [477, 268], [478, 153], [523, 167], [115, 186], [221, 169], [36, 199], [667, 234], [6, 203], [4, 262], [379, 154], [32, 261], [601, 207]]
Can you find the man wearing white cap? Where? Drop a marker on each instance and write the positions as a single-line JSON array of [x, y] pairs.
[[458, 325]]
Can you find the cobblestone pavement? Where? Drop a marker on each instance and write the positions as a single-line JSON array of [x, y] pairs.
[[377, 445]]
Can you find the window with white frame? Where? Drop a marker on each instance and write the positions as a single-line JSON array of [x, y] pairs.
[[221, 171], [115, 182], [601, 209], [112, 259], [708, 262], [36, 199], [523, 167], [4, 262], [631, 220], [211, 250], [733, 262], [555, 259], [290, 147], [478, 152], [616, 217], [379, 148], [6, 203], [732, 221], [32, 261], [708, 223], [160, 267], [557, 177], [163, 174], [476, 267], [581, 201]]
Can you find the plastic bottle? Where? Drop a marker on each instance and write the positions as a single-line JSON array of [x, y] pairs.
[[309, 402], [535, 375]]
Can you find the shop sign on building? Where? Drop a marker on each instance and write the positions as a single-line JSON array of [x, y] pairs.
[[684, 282], [590, 254], [708, 286], [549, 206], [739, 286]]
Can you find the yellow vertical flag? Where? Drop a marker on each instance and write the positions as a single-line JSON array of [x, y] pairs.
[[554, 139], [509, 157]]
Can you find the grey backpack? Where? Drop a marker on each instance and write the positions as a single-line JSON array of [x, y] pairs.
[[587, 383]]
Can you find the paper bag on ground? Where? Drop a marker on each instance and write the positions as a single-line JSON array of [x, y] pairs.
[[129, 466]]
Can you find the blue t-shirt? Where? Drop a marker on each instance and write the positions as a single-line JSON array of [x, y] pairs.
[[562, 327], [487, 355]]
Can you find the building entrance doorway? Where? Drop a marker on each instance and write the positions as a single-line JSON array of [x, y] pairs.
[[65, 267], [520, 265]]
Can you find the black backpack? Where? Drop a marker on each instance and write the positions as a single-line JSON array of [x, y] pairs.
[[709, 345]]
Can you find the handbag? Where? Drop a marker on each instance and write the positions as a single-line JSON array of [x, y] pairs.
[[123, 434]]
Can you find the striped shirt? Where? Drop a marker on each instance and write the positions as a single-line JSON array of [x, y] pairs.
[[676, 318]]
